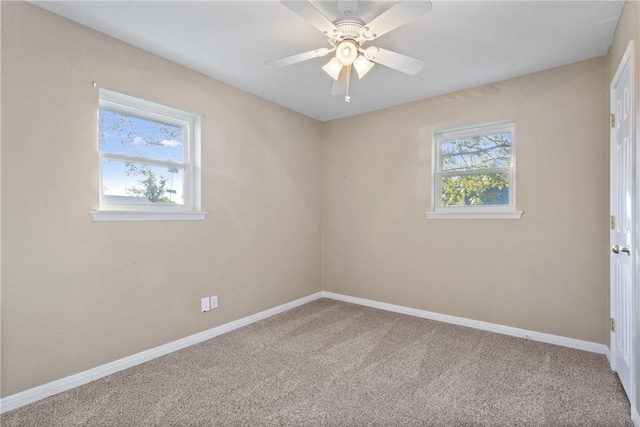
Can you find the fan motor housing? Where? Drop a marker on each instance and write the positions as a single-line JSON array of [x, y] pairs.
[[350, 28]]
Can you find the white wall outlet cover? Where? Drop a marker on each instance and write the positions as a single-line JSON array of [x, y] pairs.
[[204, 304], [214, 301]]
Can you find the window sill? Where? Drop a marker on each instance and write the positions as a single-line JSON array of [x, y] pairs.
[[475, 215], [102, 216]]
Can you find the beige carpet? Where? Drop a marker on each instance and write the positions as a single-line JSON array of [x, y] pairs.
[[332, 363]]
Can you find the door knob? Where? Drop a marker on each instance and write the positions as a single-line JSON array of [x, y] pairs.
[[617, 249]]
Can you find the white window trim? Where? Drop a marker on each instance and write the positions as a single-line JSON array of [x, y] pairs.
[[106, 216], [475, 215], [473, 212], [191, 210]]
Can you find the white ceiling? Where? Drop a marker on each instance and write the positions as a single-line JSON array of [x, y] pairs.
[[464, 44]]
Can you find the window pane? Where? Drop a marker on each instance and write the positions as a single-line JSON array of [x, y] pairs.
[[475, 190], [137, 183], [478, 152], [124, 133]]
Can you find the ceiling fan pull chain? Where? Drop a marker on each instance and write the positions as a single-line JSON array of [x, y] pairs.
[[347, 98]]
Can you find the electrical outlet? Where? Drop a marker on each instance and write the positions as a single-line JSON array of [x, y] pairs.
[[205, 304], [214, 302]]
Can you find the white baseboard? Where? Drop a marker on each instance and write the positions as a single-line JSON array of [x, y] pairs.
[[607, 354], [477, 324], [37, 393]]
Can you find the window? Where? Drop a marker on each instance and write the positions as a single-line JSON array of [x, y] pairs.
[[149, 161], [474, 173]]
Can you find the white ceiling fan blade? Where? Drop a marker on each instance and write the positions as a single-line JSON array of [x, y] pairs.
[[312, 15], [294, 59], [341, 86], [397, 61], [396, 16]]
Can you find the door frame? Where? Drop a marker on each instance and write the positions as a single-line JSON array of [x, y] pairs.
[[629, 57]]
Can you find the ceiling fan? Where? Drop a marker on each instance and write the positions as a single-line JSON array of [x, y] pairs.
[[347, 36]]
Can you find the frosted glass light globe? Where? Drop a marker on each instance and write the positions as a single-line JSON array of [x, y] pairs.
[[347, 52]]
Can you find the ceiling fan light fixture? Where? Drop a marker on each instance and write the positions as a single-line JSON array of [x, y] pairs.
[[333, 68], [362, 66], [347, 52]]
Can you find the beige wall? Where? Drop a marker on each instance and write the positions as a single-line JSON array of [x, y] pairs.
[[545, 272], [77, 294], [628, 29]]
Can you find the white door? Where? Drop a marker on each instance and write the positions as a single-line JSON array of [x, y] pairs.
[[623, 250]]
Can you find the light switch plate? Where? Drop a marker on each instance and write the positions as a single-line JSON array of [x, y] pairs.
[[214, 301]]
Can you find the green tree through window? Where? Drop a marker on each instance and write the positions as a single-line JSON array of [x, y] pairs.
[[476, 153], [143, 155]]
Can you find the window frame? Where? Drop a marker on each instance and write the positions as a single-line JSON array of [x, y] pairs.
[[506, 211], [191, 164]]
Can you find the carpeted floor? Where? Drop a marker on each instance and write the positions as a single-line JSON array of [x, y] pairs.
[[338, 364]]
